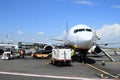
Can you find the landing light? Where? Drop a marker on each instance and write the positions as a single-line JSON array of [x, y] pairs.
[[75, 46]]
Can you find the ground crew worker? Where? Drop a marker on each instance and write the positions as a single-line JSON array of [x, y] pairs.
[[83, 57], [73, 55], [22, 53]]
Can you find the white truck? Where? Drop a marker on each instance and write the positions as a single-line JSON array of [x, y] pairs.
[[10, 53], [7, 53], [61, 56]]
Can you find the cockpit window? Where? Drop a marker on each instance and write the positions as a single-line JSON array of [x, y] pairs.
[[89, 30], [80, 30]]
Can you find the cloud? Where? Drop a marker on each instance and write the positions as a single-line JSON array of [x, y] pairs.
[[41, 33], [20, 32], [117, 6], [109, 33], [83, 2], [33, 39]]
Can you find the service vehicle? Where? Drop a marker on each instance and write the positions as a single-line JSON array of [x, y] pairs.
[[9, 53], [41, 54], [61, 56]]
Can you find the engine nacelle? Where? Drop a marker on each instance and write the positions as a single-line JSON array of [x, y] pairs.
[[48, 47], [95, 49]]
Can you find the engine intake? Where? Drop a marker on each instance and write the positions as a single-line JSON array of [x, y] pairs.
[[48, 47], [95, 49]]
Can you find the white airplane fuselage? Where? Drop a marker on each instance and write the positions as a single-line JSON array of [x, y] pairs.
[[80, 37]]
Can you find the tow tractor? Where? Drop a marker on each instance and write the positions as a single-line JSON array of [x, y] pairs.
[[61, 56], [41, 54]]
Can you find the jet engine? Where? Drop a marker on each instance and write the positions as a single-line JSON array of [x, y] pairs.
[[48, 47], [95, 49]]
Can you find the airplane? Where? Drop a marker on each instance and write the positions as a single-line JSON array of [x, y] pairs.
[[82, 39]]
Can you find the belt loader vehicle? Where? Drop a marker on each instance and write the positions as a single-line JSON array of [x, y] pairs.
[[61, 56]]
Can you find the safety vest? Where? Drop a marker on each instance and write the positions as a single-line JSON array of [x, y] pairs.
[[72, 52]]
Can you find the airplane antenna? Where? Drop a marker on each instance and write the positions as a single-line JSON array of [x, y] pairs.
[[66, 34]]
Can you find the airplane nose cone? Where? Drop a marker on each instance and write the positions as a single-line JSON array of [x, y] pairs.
[[85, 42], [87, 39]]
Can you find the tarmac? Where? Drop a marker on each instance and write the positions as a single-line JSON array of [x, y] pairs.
[[96, 67]]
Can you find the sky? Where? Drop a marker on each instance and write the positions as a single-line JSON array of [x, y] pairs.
[[38, 20]]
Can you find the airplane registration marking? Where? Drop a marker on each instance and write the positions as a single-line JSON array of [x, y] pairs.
[[105, 72]]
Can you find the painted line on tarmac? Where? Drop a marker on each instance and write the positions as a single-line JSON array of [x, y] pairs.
[[98, 69], [45, 76], [113, 62]]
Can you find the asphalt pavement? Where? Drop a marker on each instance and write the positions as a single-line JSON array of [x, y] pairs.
[[34, 69]]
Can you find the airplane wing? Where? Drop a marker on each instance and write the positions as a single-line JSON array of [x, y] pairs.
[[57, 40], [108, 43]]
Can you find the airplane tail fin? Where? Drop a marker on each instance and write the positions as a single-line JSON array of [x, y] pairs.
[[95, 35], [66, 27]]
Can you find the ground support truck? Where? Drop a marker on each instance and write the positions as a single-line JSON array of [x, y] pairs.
[[61, 56], [41, 54], [9, 53]]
